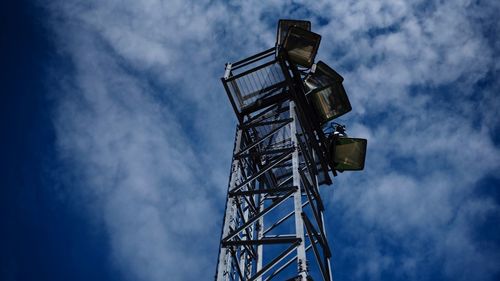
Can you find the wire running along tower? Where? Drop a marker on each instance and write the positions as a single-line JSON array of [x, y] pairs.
[[285, 147]]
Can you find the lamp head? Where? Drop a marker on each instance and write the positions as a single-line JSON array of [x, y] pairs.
[[326, 93], [301, 46], [347, 154], [284, 25]]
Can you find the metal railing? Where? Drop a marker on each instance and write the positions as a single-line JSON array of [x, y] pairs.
[[255, 83]]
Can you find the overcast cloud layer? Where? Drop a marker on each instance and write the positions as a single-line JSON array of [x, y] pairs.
[[146, 129]]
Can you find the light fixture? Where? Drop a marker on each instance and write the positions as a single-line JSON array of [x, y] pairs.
[[326, 93], [301, 46], [347, 154], [284, 25]]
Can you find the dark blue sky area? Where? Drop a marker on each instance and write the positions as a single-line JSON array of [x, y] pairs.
[[42, 236]]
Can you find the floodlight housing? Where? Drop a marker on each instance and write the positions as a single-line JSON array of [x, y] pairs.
[[326, 93], [284, 26], [347, 154], [301, 46]]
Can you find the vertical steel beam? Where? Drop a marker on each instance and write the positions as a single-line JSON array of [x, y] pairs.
[[224, 262], [297, 198], [260, 235]]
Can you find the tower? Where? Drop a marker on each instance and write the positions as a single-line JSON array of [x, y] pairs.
[[285, 148]]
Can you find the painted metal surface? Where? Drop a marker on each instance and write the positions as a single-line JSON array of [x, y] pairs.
[[273, 225]]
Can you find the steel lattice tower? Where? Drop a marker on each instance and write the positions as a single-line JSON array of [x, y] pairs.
[[273, 225]]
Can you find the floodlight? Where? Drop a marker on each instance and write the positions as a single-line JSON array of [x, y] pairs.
[[347, 154], [326, 93], [301, 46], [284, 25]]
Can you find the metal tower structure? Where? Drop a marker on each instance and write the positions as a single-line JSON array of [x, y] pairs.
[[273, 226]]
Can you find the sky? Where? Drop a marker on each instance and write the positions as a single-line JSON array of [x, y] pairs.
[[117, 135]]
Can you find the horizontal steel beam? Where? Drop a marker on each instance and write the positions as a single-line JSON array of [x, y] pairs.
[[262, 191], [263, 152], [261, 241], [256, 57]]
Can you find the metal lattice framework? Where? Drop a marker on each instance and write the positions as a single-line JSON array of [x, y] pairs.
[[273, 226]]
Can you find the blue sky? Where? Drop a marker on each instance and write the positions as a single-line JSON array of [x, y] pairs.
[[117, 136]]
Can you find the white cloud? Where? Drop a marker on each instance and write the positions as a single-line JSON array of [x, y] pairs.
[[146, 125]]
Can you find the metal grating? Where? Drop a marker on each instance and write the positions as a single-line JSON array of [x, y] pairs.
[[255, 84]]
